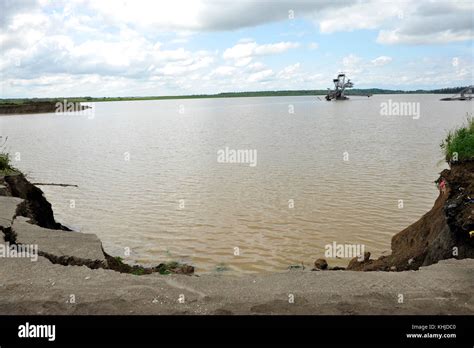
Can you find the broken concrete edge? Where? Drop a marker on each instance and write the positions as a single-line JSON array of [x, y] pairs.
[[31, 203], [172, 267]]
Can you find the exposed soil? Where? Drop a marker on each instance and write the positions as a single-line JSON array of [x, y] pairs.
[[35, 206], [440, 234], [34, 108]]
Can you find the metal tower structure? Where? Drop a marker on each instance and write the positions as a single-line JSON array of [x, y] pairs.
[[340, 85]]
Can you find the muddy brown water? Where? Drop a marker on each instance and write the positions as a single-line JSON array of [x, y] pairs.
[[151, 182]]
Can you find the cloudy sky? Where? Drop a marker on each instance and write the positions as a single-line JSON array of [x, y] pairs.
[[131, 48]]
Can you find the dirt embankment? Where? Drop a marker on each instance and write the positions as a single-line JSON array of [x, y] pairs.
[[35, 206], [442, 233], [35, 108]]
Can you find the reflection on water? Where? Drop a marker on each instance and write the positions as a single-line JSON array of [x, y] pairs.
[[174, 200]]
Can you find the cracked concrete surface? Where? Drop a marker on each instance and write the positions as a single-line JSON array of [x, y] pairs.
[[59, 243], [44, 288]]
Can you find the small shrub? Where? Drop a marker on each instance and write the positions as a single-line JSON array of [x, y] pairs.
[[459, 143], [5, 164]]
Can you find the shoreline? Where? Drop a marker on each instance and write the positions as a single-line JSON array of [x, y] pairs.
[[48, 105], [75, 263], [40, 108]]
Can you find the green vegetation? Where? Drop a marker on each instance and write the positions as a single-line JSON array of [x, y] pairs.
[[167, 268], [6, 167], [138, 271], [290, 267], [5, 162], [459, 143], [284, 93], [222, 267]]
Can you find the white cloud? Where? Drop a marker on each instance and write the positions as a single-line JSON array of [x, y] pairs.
[[146, 45], [203, 15], [224, 71], [251, 49], [396, 36], [352, 64], [186, 66], [243, 61], [360, 15], [382, 60], [181, 40], [243, 52], [260, 76], [289, 71], [276, 48], [256, 67], [398, 21]]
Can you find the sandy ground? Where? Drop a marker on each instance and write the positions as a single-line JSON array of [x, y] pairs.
[[41, 287]]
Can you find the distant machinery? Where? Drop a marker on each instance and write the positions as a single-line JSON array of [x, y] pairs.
[[465, 94], [340, 85]]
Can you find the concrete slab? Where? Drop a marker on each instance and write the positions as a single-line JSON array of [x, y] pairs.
[[8, 207], [61, 244]]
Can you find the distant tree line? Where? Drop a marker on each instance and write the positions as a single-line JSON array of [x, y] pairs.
[[451, 90]]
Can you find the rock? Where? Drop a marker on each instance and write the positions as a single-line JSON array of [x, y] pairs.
[[3, 190], [67, 248], [183, 269], [320, 264], [393, 268], [357, 265], [173, 267]]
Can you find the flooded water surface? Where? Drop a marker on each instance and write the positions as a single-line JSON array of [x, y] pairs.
[[239, 185]]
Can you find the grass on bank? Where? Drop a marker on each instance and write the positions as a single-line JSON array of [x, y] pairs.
[[6, 167], [459, 143], [5, 164]]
